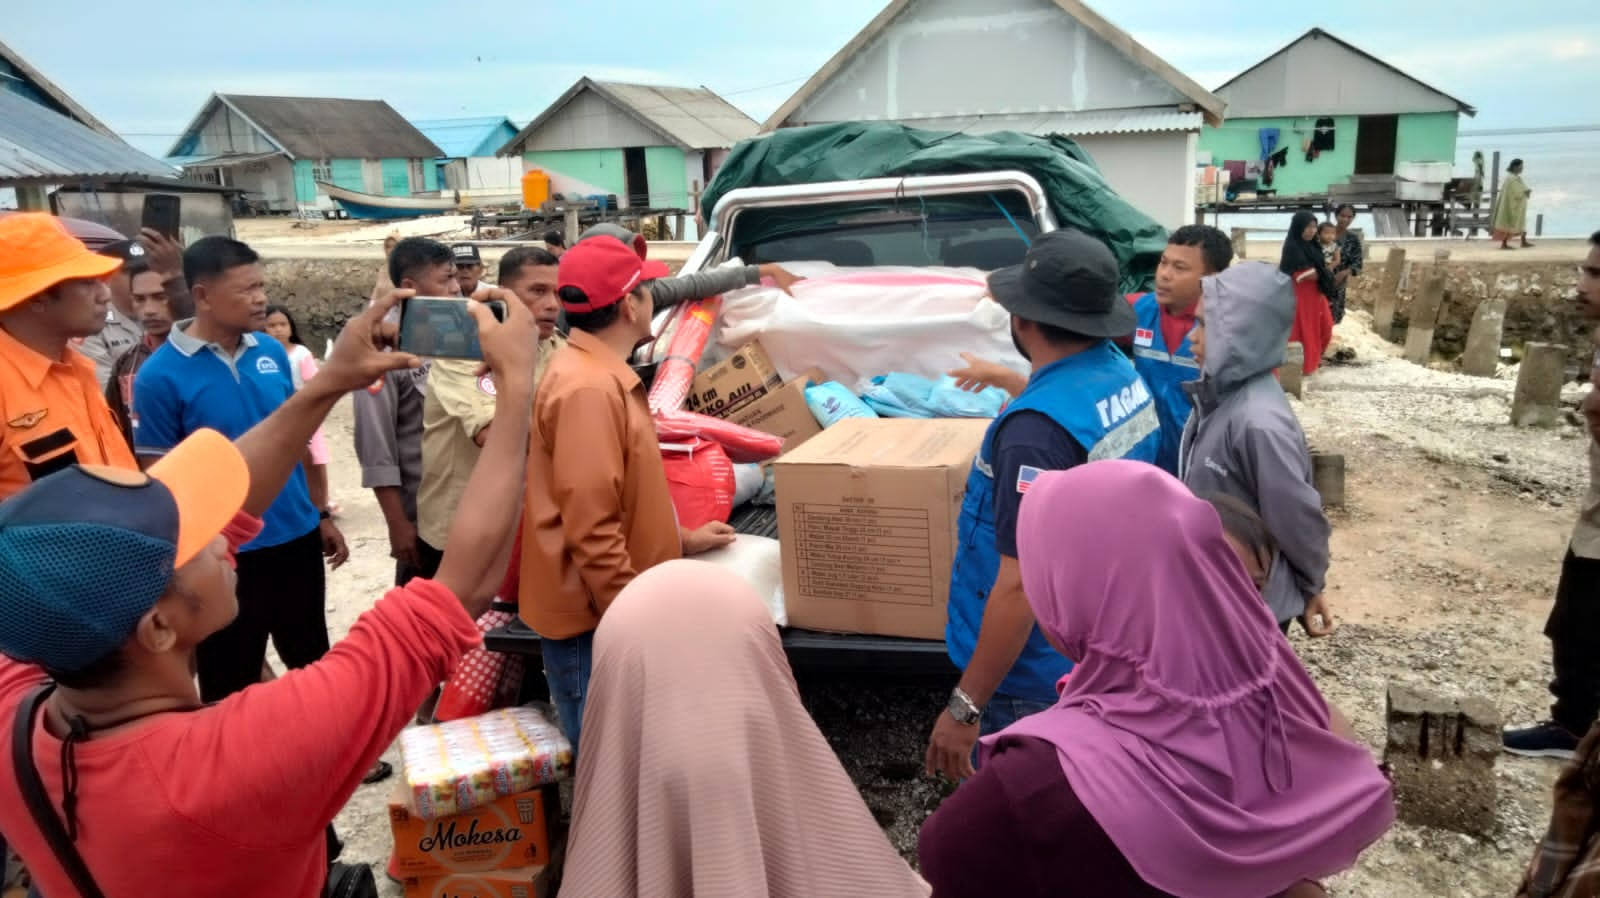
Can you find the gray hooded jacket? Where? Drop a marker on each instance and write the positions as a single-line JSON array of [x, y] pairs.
[[1244, 440]]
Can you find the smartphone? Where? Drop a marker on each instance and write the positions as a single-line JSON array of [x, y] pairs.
[[162, 212], [440, 327]]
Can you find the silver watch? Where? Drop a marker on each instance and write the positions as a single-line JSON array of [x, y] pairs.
[[962, 708]]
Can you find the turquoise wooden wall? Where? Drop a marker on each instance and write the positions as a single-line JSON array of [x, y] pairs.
[[1419, 137], [669, 181]]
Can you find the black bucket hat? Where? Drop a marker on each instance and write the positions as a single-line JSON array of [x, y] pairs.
[[1067, 279]]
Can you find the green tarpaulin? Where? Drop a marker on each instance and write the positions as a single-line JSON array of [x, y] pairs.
[[1079, 196]]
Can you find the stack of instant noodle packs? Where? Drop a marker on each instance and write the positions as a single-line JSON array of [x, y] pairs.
[[476, 813]]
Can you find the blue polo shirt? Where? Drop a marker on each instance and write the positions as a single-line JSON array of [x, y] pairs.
[[189, 384]]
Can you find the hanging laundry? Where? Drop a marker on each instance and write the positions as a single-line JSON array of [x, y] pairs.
[[1280, 158], [1269, 142], [1322, 135]]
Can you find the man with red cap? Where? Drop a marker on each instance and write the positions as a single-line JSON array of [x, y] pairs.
[[52, 414], [597, 512]]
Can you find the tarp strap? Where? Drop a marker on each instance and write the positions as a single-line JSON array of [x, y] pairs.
[[1001, 206]]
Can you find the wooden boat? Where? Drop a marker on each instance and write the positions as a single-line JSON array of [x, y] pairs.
[[374, 206]]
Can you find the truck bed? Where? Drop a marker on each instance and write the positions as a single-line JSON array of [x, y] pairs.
[[809, 651]]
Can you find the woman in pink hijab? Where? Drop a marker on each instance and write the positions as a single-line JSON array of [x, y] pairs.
[[701, 774], [1189, 754]]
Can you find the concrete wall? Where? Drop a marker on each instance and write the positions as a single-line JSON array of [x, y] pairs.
[[581, 171], [1154, 172]]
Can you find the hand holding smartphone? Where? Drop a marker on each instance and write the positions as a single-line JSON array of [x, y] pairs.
[[163, 214], [441, 327]]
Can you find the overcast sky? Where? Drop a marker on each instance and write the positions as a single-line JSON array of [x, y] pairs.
[[146, 70]]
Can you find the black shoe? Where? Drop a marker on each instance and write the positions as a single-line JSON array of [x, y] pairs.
[[1546, 739]]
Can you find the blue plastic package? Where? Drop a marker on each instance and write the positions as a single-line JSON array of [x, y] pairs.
[[900, 395], [832, 402]]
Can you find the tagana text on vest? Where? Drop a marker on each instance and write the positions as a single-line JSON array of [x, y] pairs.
[[1098, 398]]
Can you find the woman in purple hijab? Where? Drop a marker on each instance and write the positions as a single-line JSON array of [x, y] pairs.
[[1189, 755]]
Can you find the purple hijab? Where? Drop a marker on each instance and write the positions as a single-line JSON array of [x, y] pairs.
[[1188, 728]]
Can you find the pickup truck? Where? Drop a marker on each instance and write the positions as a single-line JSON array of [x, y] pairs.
[[977, 220]]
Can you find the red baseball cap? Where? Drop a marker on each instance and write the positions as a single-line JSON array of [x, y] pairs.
[[606, 270]]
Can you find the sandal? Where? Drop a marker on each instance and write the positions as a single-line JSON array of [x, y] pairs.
[[379, 772]]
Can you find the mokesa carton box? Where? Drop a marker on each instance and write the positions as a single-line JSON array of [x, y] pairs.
[[510, 832], [867, 521], [522, 882], [783, 412]]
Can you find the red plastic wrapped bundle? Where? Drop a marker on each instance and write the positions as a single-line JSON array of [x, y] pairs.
[[486, 680], [676, 372], [743, 445], [700, 479]]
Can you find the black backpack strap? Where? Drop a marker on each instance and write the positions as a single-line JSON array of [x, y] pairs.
[[38, 801]]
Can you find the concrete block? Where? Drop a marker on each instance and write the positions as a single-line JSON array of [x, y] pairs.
[[1424, 316], [1537, 400], [1481, 358], [1327, 475], [1291, 375], [1389, 294], [1441, 752]]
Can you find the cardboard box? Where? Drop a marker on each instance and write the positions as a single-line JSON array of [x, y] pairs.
[[783, 412], [867, 519], [733, 383], [522, 882], [513, 831]]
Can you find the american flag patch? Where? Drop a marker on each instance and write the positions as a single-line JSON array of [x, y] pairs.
[[1026, 475]]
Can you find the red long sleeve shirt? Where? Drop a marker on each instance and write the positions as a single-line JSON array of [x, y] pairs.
[[232, 799]]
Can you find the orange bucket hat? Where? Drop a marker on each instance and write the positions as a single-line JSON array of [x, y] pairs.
[[37, 253]]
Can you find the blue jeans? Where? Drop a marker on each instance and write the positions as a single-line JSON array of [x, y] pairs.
[[567, 663], [1001, 712]]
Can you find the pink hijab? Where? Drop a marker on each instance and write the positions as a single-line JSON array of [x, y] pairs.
[[701, 773], [1188, 727]]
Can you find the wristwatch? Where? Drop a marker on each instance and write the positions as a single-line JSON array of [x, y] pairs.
[[962, 708]]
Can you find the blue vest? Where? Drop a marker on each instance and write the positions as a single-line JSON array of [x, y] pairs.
[[1098, 398], [1165, 372]]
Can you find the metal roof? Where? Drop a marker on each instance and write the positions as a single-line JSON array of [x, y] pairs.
[[322, 127], [691, 118], [220, 160], [41, 146], [1120, 121], [460, 138], [48, 88]]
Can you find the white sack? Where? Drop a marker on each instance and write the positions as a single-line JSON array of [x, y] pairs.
[[758, 560], [858, 323]]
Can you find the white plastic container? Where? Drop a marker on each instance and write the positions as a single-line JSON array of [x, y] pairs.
[[1425, 172]]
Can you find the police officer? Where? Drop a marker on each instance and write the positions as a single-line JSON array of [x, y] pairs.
[[1084, 402], [1161, 351]]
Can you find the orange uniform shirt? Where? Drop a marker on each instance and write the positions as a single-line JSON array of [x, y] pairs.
[[52, 414]]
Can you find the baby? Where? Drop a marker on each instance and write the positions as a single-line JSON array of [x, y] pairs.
[[1328, 236]]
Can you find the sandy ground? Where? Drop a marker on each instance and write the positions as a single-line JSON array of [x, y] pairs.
[[1445, 561]]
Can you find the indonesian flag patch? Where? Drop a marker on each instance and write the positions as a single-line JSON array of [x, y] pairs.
[[1144, 337]]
